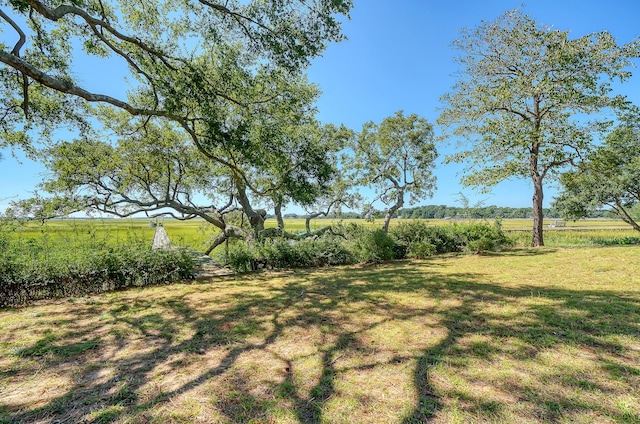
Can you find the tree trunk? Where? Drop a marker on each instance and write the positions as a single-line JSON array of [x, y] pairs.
[[230, 231], [256, 216], [307, 222], [537, 237], [621, 211], [392, 210]]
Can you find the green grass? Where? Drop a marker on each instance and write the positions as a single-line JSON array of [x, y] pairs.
[[193, 233], [530, 335], [197, 234]]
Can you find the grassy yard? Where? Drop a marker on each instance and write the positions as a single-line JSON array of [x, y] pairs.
[[527, 336]]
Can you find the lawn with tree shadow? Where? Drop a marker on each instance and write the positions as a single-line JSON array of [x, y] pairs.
[[546, 335]]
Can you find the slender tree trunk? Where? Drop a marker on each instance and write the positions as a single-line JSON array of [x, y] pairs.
[[392, 210], [538, 195], [536, 177], [307, 222]]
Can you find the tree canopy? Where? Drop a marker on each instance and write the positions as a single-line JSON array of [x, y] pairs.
[[608, 177], [396, 157], [177, 53], [523, 93], [223, 78], [154, 168]]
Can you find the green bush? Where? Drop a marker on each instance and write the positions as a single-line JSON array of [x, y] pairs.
[[417, 236], [241, 257], [372, 245], [422, 240], [283, 253], [421, 250], [481, 245], [484, 237], [330, 251], [31, 270]]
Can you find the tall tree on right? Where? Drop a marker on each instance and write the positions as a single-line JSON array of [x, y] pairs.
[[524, 94]]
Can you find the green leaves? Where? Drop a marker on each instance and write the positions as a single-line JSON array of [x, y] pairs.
[[397, 154], [396, 157], [178, 54], [521, 105], [609, 177], [522, 84]]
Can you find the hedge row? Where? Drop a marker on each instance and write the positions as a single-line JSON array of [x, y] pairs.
[[357, 243], [28, 273]]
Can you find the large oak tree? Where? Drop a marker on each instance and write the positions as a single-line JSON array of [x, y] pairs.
[[227, 74], [522, 99], [157, 171]]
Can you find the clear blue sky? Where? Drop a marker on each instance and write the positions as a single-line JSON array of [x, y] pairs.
[[399, 56]]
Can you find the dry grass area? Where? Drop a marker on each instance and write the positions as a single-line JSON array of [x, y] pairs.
[[528, 336]]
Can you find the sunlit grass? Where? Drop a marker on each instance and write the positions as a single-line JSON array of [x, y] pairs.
[[540, 335], [197, 234]]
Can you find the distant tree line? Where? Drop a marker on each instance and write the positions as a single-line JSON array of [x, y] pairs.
[[443, 211], [456, 212], [488, 212]]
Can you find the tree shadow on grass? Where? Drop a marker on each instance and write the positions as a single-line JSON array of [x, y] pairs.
[[590, 323], [226, 335]]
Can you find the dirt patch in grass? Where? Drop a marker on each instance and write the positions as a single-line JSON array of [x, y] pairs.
[[547, 335]]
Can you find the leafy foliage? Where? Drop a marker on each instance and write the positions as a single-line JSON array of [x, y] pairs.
[[177, 55], [34, 269], [226, 76], [521, 86], [422, 240], [362, 244], [371, 245], [609, 177], [396, 157], [279, 253]]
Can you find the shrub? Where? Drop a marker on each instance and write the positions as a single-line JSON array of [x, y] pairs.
[[422, 240], [484, 237], [482, 245], [282, 253], [29, 271], [241, 257], [372, 245], [417, 236], [327, 250], [421, 250]]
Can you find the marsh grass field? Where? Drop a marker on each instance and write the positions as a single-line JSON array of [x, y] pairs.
[[527, 335], [196, 233]]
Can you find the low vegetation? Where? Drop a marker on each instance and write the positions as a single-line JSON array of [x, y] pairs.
[[75, 257], [542, 335], [37, 268], [354, 243]]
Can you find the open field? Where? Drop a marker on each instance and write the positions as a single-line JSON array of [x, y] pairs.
[[531, 336], [197, 233]]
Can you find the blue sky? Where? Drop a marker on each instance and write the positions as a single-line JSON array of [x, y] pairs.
[[398, 56]]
